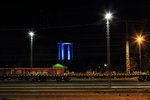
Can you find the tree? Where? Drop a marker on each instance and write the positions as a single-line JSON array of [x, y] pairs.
[[145, 63], [133, 64]]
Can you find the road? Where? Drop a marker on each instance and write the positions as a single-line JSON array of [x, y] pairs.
[[75, 90], [74, 84]]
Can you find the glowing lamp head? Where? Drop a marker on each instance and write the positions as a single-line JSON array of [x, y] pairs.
[[105, 65], [139, 39], [31, 34], [108, 16]]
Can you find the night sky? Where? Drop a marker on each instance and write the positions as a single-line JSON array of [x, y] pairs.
[[79, 22]]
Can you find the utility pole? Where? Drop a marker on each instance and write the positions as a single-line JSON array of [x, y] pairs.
[[108, 18], [127, 50]]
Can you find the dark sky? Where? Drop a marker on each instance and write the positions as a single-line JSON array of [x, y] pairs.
[[80, 22]]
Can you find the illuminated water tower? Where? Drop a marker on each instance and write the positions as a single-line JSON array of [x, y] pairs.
[[65, 51]]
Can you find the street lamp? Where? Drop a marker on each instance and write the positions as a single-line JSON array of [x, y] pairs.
[[139, 39], [108, 17], [31, 34]]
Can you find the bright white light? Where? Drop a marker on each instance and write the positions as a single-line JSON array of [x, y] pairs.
[[105, 65], [67, 43], [108, 15], [31, 34]]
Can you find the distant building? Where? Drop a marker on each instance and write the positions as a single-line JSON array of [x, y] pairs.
[[65, 51], [56, 69]]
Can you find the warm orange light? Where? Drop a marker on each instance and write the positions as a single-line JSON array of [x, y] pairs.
[[139, 38]]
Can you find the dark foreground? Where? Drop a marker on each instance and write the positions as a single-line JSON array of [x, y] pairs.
[[76, 96]]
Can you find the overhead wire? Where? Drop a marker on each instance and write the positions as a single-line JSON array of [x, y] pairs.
[[68, 26]]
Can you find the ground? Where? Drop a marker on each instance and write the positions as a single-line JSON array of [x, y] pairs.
[[77, 96]]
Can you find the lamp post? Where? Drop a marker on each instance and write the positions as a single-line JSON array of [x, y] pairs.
[[31, 34], [108, 17], [139, 40]]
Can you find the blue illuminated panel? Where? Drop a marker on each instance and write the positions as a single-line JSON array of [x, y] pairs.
[[62, 51], [59, 47], [65, 51], [68, 54]]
